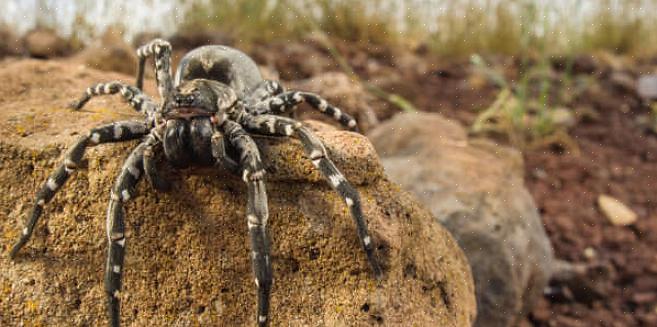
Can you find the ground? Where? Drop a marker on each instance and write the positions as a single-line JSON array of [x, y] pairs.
[[615, 156]]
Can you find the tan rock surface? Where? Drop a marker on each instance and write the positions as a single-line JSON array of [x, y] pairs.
[[187, 260]]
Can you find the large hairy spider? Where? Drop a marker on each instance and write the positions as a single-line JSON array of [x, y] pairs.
[[218, 98]]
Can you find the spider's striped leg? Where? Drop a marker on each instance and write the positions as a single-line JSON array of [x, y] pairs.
[[316, 152], [288, 101], [256, 213], [135, 97], [121, 193], [150, 167], [115, 132], [264, 90], [162, 51]]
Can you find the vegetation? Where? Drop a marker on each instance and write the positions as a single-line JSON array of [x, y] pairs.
[[448, 28]]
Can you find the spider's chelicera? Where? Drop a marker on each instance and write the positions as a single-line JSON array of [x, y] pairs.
[[207, 115]]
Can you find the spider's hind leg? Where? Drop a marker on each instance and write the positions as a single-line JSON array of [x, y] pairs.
[[316, 152], [115, 132]]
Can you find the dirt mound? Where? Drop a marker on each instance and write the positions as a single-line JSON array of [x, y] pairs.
[[187, 259]]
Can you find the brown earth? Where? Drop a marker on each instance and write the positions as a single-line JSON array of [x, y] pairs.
[[617, 156], [187, 259]]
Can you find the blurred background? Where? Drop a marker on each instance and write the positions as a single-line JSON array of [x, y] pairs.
[[568, 85]]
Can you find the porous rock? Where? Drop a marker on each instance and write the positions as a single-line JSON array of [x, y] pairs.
[[187, 251], [475, 188]]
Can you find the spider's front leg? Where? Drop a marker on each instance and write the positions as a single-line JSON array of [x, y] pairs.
[[288, 101], [122, 192], [316, 152], [162, 51], [115, 132], [134, 96], [256, 212]]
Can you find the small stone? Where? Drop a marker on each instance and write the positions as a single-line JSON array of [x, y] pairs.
[[617, 212], [647, 87], [590, 253]]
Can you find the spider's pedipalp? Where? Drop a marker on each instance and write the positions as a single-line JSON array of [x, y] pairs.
[[150, 168], [104, 134], [122, 192], [257, 213], [161, 49], [317, 153], [287, 101], [135, 97]]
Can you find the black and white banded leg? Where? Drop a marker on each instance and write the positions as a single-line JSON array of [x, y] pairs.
[[257, 213], [122, 192], [288, 101], [115, 132], [161, 50], [134, 96], [316, 152], [264, 90]]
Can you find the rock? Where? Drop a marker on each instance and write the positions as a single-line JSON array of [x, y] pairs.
[[10, 44], [187, 259], [343, 92], [617, 212], [647, 87], [475, 188], [111, 53], [45, 43]]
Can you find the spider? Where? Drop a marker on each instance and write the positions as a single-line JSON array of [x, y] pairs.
[[206, 116]]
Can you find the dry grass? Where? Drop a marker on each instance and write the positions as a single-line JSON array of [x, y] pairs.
[[449, 28]]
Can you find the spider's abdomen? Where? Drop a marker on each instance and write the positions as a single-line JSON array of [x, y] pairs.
[[188, 142], [223, 64]]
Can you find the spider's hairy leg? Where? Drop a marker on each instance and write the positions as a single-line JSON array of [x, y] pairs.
[[150, 167], [162, 51], [266, 89], [288, 101], [121, 193], [316, 152], [134, 96], [115, 132], [257, 213]]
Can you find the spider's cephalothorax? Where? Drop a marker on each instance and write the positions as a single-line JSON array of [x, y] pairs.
[[206, 116]]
